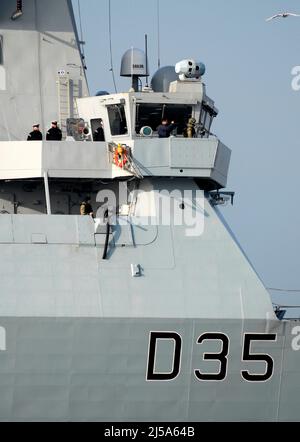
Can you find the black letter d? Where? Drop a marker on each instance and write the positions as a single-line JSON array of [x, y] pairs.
[[154, 337]]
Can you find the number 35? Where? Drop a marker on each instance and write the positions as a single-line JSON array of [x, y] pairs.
[[222, 357]]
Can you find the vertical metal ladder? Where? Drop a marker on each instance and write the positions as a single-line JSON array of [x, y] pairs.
[[64, 101], [76, 92], [68, 91]]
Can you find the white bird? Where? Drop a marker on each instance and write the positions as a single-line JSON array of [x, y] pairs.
[[283, 15]]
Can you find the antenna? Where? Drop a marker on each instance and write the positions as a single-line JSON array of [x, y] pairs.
[[82, 42], [132, 77], [158, 33], [146, 51], [110, 46]]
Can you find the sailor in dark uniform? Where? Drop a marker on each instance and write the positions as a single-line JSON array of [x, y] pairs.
[[54, 134], [99, 134], [165, 129], [36, 134]]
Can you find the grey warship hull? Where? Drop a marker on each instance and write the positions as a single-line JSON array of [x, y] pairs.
[[79, 369], [76, 330]]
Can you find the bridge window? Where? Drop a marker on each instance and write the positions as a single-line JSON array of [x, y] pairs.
[[206, 120], [117, 119], [97, 129], [153, 114]]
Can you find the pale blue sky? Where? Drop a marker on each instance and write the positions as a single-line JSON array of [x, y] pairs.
[[249, 65]]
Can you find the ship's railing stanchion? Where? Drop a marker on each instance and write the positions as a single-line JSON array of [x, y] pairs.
[[47, 193]]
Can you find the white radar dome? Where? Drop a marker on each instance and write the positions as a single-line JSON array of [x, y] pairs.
[[163, 78], [134, 63]]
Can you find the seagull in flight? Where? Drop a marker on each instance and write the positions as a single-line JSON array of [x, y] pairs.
[[283, 15]]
